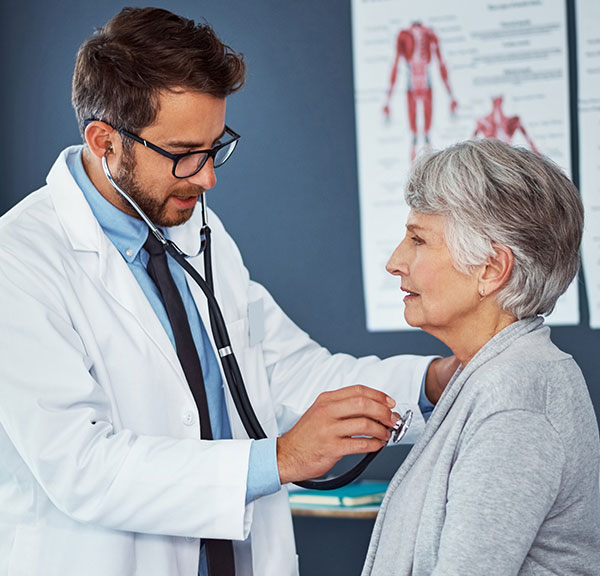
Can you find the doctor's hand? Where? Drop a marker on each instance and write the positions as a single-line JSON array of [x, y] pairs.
[[351, 420]]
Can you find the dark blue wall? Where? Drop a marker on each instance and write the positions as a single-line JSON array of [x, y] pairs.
[[289, 197]]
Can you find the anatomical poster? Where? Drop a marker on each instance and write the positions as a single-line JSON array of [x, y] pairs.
[[588, 58], [431, 73]]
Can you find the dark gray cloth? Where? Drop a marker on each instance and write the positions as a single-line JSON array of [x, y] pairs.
[[504, 479]]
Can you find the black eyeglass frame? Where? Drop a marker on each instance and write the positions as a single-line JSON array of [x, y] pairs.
[[210, 153]]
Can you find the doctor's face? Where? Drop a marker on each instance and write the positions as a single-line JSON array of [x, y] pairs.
[[186, 121]]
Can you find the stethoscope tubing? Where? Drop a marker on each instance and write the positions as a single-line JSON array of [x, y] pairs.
[[233, 375], [228, 360], [231, 369]]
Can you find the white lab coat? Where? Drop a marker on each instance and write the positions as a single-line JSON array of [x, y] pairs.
[[102, 471]]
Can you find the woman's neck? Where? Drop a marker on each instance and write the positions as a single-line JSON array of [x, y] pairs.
[[466, 339]]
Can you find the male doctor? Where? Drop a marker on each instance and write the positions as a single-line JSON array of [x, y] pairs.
[[103, 470]]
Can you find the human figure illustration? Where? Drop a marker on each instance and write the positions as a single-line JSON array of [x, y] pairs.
[[416, 45], [497, 125]]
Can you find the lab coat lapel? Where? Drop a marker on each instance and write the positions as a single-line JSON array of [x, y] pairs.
[[120, 283], [86, 235]]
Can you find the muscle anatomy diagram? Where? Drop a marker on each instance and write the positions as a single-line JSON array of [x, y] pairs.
[[418, 45], [496, 124]]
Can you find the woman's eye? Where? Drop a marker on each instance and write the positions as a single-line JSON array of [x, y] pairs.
[[416, 240]]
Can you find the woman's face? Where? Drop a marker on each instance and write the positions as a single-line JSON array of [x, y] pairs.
[[440, 299]]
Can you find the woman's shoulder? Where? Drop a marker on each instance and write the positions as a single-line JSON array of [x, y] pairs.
[[528, 382], [534, 376], [528, 368], [526, 342]]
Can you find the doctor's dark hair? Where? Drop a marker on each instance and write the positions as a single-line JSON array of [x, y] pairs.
[[124, 66], [493, 194]]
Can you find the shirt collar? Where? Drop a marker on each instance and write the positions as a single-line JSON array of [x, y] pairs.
[[126, 232]]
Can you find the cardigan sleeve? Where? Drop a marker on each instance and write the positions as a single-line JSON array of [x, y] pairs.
[[503, 483]]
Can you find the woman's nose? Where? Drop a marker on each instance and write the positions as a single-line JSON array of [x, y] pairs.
[[396, 265]]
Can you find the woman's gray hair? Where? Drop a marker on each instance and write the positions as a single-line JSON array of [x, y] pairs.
[[493, 194]]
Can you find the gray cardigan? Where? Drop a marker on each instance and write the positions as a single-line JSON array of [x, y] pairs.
[[504, 479]]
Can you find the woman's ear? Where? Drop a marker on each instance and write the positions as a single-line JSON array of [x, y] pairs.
[[496, 272], [101, 138]]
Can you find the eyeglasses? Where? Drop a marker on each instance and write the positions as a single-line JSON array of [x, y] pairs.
[[189, 163]]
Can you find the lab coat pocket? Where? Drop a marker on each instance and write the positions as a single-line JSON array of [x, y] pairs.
[[252, 366]]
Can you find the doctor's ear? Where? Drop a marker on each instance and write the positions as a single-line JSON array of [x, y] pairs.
[[102, 139]]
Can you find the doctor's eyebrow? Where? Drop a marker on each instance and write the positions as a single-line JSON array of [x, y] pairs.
[[192, 145]]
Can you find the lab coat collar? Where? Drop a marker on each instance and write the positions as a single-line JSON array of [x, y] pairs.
[[85, 234], [73, 211], [79, 222]]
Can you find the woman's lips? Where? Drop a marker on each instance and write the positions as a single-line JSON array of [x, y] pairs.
[[410, 295]]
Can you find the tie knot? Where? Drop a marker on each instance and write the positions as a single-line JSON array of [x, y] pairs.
[[153, 245]]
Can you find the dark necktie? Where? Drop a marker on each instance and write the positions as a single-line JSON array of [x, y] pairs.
[[219, 553]]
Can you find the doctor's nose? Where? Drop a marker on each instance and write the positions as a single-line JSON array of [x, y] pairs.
[[205, 178]]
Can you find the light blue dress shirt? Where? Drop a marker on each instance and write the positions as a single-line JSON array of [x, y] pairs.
[[425, 405], [129, 234]]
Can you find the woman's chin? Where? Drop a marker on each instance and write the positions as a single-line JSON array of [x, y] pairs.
[[411, 320]]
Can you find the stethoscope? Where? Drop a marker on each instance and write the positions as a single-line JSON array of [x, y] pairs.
[[232, 372]]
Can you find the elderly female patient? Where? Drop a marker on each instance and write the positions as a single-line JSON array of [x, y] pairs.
[[504, 479]]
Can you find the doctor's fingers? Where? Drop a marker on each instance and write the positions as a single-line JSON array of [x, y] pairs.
[[359, 445], [364, 427], [358, 391], [357, 406]]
